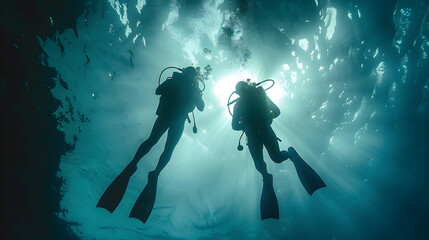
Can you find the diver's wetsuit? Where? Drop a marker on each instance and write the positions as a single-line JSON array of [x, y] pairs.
[[254, 113], [179, 96]]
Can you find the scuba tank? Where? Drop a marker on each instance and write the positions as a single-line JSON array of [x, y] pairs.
[[194, 129], [254, 87], [181, 70]]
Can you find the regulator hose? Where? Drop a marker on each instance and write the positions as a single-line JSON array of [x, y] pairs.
[[159, 79]]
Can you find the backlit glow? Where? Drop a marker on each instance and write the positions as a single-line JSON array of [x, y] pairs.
[[226, 86], [303, 43]]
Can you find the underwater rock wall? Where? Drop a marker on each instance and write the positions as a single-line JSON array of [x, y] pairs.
[[31, 144]]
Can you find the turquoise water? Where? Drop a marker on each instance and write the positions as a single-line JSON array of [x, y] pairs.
[[351, 83]]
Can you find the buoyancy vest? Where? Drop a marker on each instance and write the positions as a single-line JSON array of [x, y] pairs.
[[178, 98], [255, 110]]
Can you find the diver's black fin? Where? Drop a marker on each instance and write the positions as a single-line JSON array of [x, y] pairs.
[[308, 177], [269, 204], [116, 190], [144, 204]]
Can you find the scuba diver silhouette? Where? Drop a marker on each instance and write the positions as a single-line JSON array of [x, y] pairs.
[[253, 114], [180, 94]]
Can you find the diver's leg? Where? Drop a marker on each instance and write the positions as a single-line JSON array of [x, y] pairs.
[[145, 202], [159, 128], [272, 145], [269, 206], [116, 190], [255, 148], [174, 133]]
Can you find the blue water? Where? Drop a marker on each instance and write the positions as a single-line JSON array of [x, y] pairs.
[[351, 80]]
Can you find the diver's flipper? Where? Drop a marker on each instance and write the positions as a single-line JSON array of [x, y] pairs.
[[269, 204], [144, 204], [116, 190], [308, 177]]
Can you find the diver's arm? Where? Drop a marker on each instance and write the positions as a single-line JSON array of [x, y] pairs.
[[236, 123], [273, 108], [200, 102]]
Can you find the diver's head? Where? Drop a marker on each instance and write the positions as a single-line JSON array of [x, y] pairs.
[[190, 73], [241, 88]]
